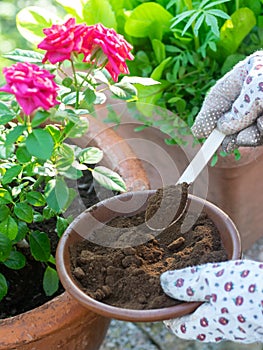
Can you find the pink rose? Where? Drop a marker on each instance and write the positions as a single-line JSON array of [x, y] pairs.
[[62, 40], [32, 86], [115, 48]]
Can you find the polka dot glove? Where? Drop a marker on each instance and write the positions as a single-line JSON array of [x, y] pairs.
[[232, 292], [235, 105]]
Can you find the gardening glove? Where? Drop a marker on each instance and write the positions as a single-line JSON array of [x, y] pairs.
[[232, 293], [235, 105]]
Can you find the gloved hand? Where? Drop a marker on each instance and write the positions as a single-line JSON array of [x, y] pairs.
[[235, 105], [232, 292]]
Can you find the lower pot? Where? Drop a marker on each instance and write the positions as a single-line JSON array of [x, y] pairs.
[[59, 324], [130, 204]]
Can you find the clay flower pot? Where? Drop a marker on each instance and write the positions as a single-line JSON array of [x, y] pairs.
[[63, 323], [130, 204], [236, 187]]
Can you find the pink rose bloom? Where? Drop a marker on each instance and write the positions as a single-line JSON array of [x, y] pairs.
[[32, 86], [115, 48], [62, 40]]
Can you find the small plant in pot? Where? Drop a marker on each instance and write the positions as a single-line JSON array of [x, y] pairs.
[[110, 260], [42, 106]]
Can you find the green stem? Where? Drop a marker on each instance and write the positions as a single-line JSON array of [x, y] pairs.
[[237, 4], [28, 123], [75, 83], [38, 182]]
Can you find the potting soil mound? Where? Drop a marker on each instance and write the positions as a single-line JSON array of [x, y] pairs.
[[129, 277]]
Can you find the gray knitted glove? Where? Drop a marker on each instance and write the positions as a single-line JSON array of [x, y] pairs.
[[235, 105]]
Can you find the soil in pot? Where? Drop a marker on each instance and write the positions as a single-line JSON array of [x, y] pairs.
[[25, 290], [126, 273]]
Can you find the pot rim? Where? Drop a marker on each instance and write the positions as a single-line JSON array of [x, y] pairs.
[[132, 315]]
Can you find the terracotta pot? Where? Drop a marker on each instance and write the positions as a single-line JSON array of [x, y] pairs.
[[237, 188], [130, 204], [63, 323]]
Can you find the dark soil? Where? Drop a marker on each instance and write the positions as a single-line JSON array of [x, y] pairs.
[[25, 291], [129, 277]]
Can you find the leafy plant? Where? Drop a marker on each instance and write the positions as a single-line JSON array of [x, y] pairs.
[[42, 106]]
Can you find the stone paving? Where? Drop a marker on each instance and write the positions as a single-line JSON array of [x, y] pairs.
[[155, 336]]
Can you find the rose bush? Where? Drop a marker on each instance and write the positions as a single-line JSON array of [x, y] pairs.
[[43, 103]]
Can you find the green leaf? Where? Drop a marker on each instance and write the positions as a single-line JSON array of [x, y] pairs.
[[74, 8], [124, 91], [64, 157], [99, 11], [159, 50], [77, 128], [35, 198], [22, 154], [14, 134], [3, 286], [48, 213], [39, 118], [158, 71], [40, 144], [67, 81], [55, 132], [57, 193], [15, 261], [234, 31], [39, 246], [5, 114], [211, 21], [50, 281], [4, 212], [24, 212], [6, 151], [22, 231], [90, 96], [90, 155], [5, 196], [139, 80], [61, 225], [11, 174], [5, 247], [32, 20], [29, 56], [144, 17], [109, 179], [214, 160], [71, 173]]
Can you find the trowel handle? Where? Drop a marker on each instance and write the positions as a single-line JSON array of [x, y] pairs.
[[202, 157]]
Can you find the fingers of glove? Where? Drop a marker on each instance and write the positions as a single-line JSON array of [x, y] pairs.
[[196, 326], [229, 143], [185, 284], [242, 114], [219, 100], [250, 136], [235, 280], [208, 324], [260, 124]]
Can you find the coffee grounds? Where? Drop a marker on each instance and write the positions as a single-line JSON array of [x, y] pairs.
[[166, 206], [129, 276]]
